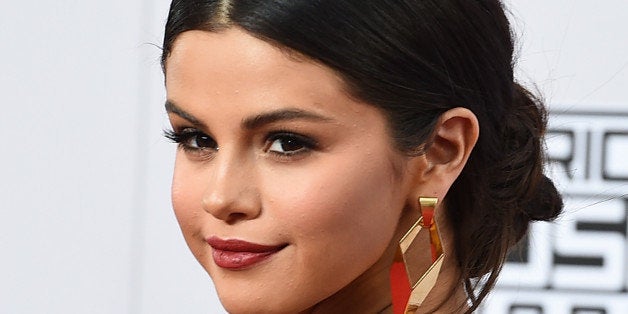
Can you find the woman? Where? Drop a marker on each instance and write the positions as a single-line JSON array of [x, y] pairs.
[[315, 134]]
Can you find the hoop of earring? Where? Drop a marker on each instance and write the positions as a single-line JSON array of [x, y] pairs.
[[414, 272]]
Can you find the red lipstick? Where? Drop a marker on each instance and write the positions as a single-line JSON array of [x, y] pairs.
[[237, 254]]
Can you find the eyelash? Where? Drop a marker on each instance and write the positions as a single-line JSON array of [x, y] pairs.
[[305, 143], [183, 140], [185, 135]]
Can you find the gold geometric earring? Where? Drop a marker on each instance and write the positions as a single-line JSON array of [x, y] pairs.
[[415, 270]]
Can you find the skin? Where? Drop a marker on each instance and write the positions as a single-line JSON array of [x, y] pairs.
[[338, 206]]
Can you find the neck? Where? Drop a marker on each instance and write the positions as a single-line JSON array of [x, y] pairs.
[[369, 293]]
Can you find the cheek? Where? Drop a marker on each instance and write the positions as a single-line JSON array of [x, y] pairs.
[[187, 192], [338, 210]]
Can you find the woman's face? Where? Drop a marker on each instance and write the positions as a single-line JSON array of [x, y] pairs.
[[285, 188]]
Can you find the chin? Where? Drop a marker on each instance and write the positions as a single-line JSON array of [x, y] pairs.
[[241, 304], [253, 306]]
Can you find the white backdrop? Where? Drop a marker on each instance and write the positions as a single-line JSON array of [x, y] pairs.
[[85, 218]]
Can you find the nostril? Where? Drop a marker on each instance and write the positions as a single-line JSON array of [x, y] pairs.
[[231, 200], [230, 212], [235, 217]]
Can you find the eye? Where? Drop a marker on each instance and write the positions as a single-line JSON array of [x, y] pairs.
[[198, 140], [192, 139], [289, 144]]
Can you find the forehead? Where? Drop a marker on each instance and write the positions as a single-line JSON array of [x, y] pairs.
[[225, 77], [234, 62]]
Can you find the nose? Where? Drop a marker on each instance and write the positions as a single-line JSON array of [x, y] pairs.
[[231, 194]]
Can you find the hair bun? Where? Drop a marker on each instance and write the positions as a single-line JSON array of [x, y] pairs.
[[531, 195], [546, 204]]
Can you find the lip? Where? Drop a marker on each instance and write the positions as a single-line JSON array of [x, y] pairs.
[[236, 254]]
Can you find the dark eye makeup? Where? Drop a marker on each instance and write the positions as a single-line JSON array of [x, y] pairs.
[[191, 139], [287, 143], [283, 143]]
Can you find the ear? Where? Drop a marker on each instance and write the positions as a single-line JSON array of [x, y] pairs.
[[454, 137]]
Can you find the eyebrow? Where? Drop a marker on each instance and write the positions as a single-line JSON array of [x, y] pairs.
[[282, 115], [171, 107], [257, 121]]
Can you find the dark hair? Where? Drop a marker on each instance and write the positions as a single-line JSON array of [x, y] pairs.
[[416, 59]]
